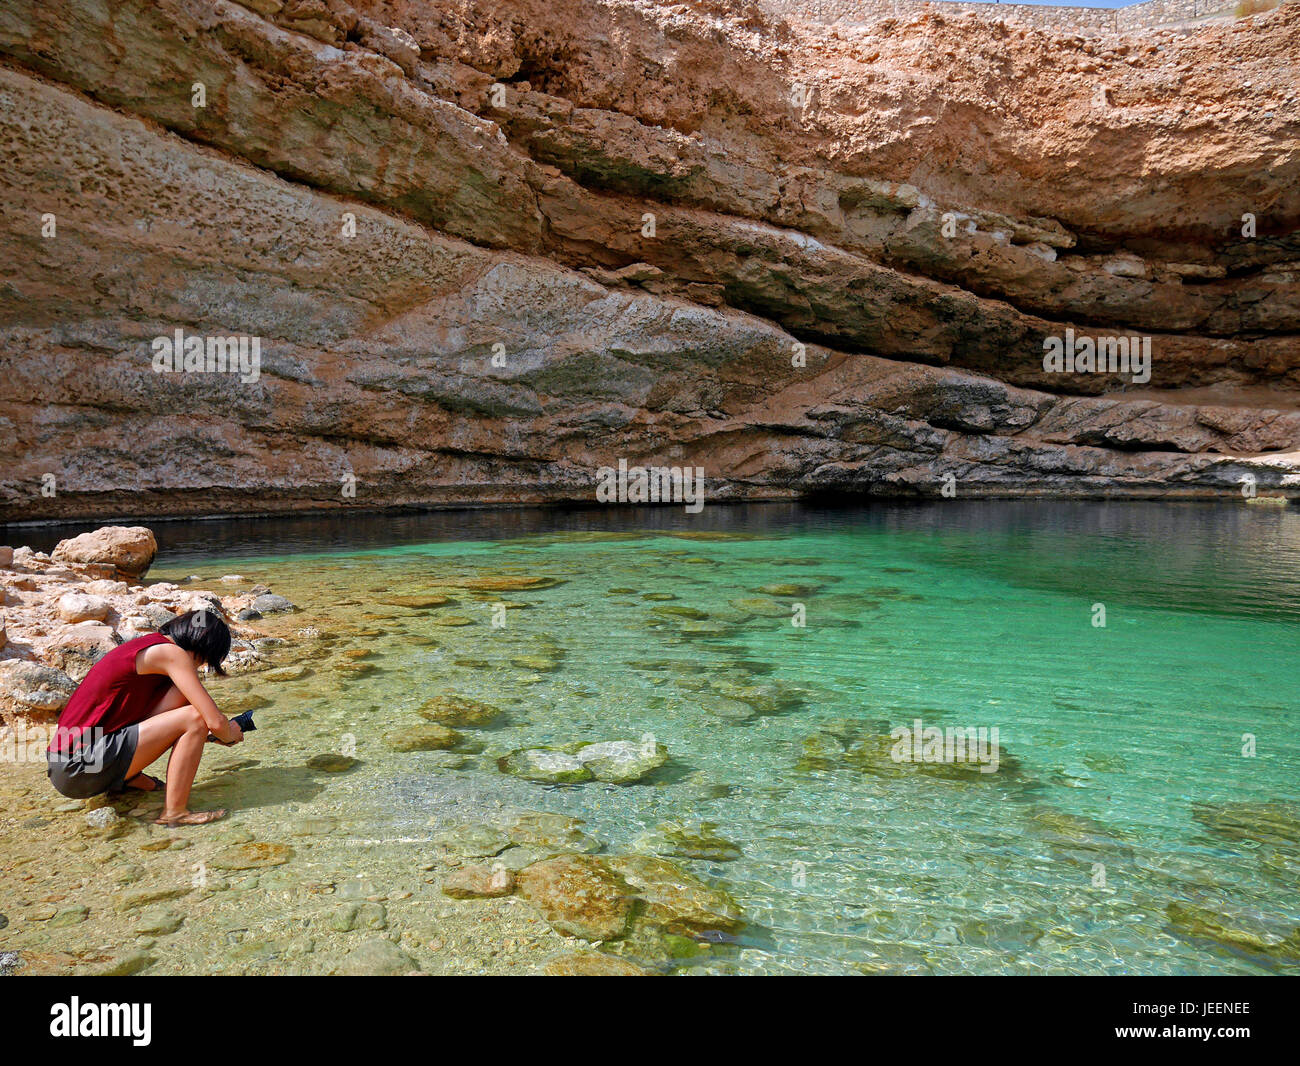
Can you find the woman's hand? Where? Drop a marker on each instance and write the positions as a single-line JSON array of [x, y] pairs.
[[231, 735]]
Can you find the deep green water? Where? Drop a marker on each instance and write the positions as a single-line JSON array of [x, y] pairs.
[[960, 615]]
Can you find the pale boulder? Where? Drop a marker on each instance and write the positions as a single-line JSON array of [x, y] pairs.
[[78, 607], [131, 549]]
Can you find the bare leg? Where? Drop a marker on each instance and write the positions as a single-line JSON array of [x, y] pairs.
[[184, 731], [170, 700]]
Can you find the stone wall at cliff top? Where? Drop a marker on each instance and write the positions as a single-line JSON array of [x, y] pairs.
[[437, 226]]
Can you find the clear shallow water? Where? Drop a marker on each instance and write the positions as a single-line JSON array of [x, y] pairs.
[[960, 615]]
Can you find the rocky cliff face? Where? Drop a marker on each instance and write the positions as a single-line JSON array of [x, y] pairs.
[[485, 249]]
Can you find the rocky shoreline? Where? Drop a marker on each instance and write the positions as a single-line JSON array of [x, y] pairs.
[[507, 889]]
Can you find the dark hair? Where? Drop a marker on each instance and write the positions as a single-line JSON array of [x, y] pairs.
[[202, 632]]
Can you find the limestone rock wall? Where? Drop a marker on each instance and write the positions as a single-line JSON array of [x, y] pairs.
[[486, 249]]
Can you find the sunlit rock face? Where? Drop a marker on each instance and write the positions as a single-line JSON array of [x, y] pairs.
[[479, 255]]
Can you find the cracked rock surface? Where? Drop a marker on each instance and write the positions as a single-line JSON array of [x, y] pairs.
[[489, 248]]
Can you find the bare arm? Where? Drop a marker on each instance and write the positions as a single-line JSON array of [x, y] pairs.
[[179, 666]]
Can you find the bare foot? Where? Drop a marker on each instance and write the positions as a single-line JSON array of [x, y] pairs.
[[190, 818]]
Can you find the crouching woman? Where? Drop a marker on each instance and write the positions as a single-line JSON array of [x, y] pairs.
[[142, 699]]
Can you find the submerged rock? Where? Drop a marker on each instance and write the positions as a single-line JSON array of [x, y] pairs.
[[1205, 924], [1276, 822], [684, 842], [459, 711], [542, 829], [478, 881], [504, 584], [270, 603], [621, 762], [544, 765], [593, 964], [676, 900], [474, 841], [419, 602], [331, 763], [422, 737], [874, 754], [578, 896], [251, 856], [375, 958]]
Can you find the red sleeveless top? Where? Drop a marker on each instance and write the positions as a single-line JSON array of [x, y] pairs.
[[112, 696]]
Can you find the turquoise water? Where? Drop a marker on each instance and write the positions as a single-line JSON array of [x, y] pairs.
[[1064, 861]]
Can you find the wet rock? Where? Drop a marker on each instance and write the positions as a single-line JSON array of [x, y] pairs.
[[1205, 924], [593, 964], [142, 897], [685, 842], [674, 611], [874, 754], [121, 965], [131, 549], [821, 751], [505, 584], [730, 710], [621, 762], [763, 606], [270, 603], [314, 825], [578, 896], [458, 711], [548, 830], [788, 589], [331, 763], [101, 817], [421, 737], [676, 900], [160, 922], [478, 881], [363, 915], [418, 602], [377, 958], [472, 841], [73, 915], [535, 662], [287, 673], [1276, 822], [544, 765], [251, 856], [233, 705]]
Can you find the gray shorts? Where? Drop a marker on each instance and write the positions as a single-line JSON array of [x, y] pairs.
[[99, 766]]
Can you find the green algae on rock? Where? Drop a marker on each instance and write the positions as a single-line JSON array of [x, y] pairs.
[[1276, 822], [687, 842], [421, 736], [1205, 924], [458, 711], [676, 900], [544, 765]]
